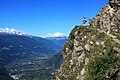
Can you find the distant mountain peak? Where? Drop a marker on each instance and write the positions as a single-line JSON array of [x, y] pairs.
[[13, 31], [56, 34]]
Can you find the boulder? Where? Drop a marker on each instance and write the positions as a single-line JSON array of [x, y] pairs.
[[87, 47]]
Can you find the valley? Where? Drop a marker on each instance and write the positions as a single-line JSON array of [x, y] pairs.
[[30, 57]]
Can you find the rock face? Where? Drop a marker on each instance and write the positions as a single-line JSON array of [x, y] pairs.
[[93, 52], [108, 19]]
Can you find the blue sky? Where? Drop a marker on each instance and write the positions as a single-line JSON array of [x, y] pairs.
[[42, 17]]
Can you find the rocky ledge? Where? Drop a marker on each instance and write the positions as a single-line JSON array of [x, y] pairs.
[[93, 52]]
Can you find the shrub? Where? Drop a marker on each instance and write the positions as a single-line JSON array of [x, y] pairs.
[[77, 28], [99, 65]]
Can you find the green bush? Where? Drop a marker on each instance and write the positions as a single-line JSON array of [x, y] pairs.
[[73, 77], [99, 65], [66, 65], [76, 28]]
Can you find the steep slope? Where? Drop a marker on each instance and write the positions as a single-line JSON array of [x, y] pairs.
[[93, 52], [108, 19], [55, 61]]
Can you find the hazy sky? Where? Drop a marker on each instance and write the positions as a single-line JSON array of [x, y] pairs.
[[41, 17]]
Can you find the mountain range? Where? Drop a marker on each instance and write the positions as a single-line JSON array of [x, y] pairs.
[[12, 31], [20, 53]]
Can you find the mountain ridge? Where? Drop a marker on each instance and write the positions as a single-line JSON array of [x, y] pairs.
[[25, 44], [93, 52], [29, 55]]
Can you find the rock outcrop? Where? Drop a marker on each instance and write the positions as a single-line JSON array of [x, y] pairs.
[[108, 19], [93, 52]]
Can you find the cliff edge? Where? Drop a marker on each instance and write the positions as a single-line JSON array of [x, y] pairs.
[[93, 52]]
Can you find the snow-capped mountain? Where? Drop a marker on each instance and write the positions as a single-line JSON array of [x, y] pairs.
[[17, 52], [13, 31]]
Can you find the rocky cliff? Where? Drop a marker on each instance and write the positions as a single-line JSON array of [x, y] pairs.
[[108, 19], [93, 52]]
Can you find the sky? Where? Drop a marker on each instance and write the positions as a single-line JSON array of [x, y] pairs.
[[47, 17]]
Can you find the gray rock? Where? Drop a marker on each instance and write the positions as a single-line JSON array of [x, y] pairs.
[[91, 42], [86, 61], [103, 43], [71, 62], [79, 48], [76, 33], [81, 57], [83, 71], [97, 43], [67, 49], [87, 47], [76, 43]]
